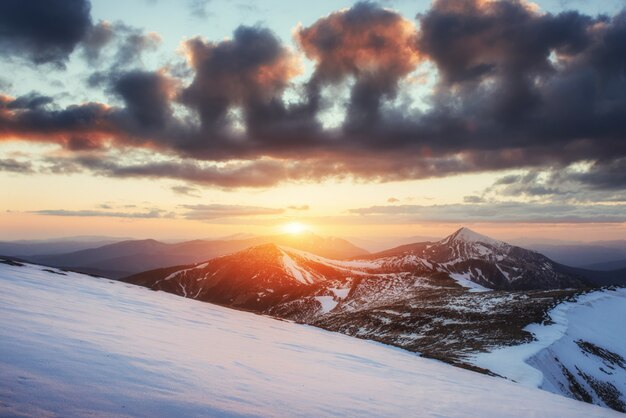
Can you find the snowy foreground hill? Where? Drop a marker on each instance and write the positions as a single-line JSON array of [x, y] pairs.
[[580, 352], [73, 345]]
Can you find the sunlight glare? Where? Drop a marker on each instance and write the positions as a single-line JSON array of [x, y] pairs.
[[294, 228]]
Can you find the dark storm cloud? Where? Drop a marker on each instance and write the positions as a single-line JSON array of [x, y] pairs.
[[251, 70], [524, 79], [29, 101], [472, 39], [48, 31], [26, 117], [367, 42], [146, 96], [516, 89], [44, 31]]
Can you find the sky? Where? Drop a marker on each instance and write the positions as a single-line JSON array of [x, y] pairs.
[[199, 119]]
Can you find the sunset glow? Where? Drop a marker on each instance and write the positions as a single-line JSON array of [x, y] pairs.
[[295, 228]]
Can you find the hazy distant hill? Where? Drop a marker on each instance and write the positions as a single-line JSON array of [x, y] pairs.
[[54, 246], [608, 266], [584, 255], [128, 257]]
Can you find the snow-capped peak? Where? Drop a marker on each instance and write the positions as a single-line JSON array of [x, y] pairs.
[[467, 235]]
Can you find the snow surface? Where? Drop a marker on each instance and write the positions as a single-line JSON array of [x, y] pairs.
[[467, 235], [298, 273], [598, 320], [327, 302], [596, 317], [347, 265], [340, 293], [464, 281], [73, 345]]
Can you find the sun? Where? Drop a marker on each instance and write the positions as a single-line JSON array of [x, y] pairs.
[[294, 228]]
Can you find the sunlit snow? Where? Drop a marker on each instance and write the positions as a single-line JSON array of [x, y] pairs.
[[73, 345]]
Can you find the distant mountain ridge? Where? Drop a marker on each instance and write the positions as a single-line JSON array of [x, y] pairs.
[[464, 256], [124, 258], [583, 255], [25, 248]]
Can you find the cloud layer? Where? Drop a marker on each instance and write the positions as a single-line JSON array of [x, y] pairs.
[[515, 88]]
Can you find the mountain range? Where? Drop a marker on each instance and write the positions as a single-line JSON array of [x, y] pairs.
[[121, 259], [448, 299]]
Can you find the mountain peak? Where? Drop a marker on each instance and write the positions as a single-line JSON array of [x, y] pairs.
[[467, 235]]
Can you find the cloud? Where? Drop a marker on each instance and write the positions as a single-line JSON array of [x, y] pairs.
[[198, 8], [605, 175], [217, 211], [48, 31], [13, 166], [591, 182], [43, 31], [299, 208], [245, 174], [515, 89], [147, 97], [505, 212], [133, 43], [186, 190], [251, 68], [31, 101], [473, 199], [376, 46], [151, 214], [117, 45], [96, 39]]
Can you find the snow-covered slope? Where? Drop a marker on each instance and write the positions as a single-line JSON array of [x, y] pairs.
[[73, 345], [580, 353]]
